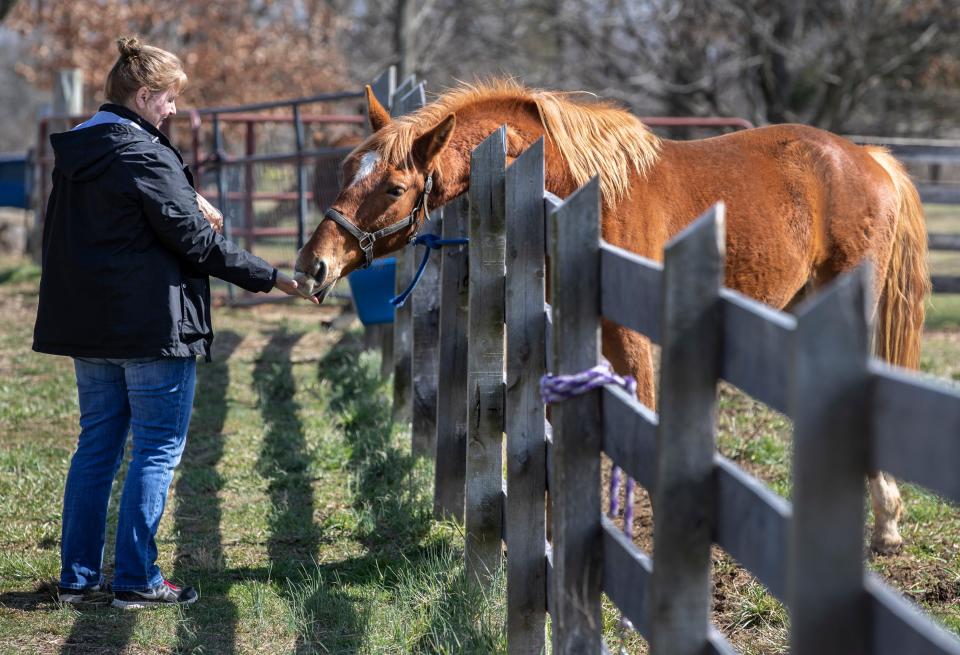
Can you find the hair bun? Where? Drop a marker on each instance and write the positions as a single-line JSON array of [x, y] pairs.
[[129, 47]]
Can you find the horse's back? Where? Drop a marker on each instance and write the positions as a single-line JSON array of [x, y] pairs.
[[801, 203]]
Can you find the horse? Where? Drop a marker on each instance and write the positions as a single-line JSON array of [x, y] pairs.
[[802, 206]]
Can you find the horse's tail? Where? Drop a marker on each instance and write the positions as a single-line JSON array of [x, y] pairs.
[[907, 282]]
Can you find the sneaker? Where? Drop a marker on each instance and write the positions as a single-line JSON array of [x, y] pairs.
[[95, 594], [165, 594]]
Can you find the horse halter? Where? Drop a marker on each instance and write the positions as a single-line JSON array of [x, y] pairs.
[[367, 239]]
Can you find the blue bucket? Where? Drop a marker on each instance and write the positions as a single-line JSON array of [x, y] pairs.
[[13, 181], [372, 289]]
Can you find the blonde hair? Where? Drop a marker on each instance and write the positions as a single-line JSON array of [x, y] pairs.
[[143, 65]]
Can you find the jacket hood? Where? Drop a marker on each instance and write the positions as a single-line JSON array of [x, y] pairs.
[[86, 151], [85, 154]]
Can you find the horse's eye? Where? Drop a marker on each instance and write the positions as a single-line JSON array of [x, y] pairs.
[[397, 191]]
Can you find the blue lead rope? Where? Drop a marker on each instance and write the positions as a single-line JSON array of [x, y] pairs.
[[432, 242]]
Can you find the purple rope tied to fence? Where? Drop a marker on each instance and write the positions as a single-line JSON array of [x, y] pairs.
[[555, 388]]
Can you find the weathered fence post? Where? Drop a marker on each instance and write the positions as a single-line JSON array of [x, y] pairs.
[[525, 415], [68, 94], [689, 370], [451, 459], [383, 87], [577, 552], [411, 98], [426, 334], [484, 487], [829, 408]]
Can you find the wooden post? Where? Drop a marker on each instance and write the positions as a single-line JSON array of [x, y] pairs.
[[485, 359], [221, 182], [830, 412], [689, 370], [525, 415], [403, 317], [248, 183], [577, 550], [451, 459], [385, 85], [68, 93], [386, 350], [302, 209], [426, 334]]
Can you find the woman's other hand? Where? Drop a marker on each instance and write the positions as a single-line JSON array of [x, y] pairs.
[[211, 213], [290, 287]]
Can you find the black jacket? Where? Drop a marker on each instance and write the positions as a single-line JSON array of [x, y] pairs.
[[126, 250]]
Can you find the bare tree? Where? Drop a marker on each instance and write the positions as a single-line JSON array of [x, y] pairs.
[[5, 7], [841, 65], [233, 50]]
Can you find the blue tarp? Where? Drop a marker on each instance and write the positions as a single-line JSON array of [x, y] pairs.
[[13, 181]]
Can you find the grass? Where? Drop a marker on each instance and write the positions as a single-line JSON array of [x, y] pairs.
[[297, 509]]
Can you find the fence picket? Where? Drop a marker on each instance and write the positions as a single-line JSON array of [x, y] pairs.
[[451, 458], [385, 85], [829, 407], [485, 354], [426, 336], [577, 544], [525, 415], [406, 99], [690, 346]]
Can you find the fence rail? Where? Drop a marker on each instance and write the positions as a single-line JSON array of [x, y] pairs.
[[814, 366]]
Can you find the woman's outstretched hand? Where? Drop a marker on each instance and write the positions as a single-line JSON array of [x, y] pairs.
[[289, 286]]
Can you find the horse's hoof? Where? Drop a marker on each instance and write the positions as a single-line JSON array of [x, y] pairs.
[[886, 544]]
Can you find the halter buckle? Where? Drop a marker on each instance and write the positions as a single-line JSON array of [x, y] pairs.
[[366, 245]]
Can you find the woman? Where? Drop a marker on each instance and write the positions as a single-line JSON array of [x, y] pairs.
[[124, 291]]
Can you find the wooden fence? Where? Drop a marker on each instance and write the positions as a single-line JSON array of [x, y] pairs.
[[477, 383]]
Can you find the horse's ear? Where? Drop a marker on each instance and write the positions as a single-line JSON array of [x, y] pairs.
[[378, 115], [430, 144]]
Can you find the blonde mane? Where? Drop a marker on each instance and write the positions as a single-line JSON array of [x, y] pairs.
[[594, 138]]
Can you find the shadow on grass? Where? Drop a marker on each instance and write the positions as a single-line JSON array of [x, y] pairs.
[[284, 459], [95, 629], [210, 625], [404, 595], [390, 486]]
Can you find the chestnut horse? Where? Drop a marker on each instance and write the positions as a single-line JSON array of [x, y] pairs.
[[803, 206]]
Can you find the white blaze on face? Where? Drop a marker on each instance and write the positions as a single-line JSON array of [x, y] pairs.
[[367, 163]]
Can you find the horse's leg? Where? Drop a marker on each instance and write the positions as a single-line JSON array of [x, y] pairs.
[[629, 353], [884, 494], [887, 509]]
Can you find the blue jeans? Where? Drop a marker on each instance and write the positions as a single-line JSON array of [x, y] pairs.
[[150, 398]]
